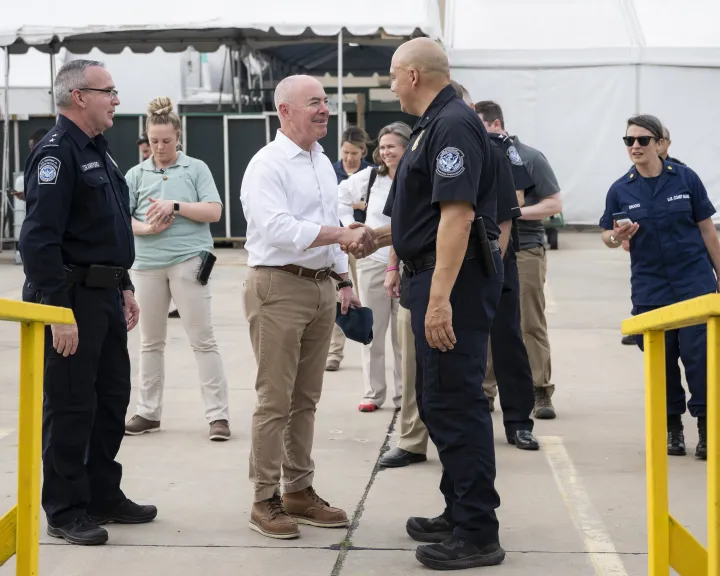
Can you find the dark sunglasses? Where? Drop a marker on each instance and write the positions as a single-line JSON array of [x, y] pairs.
[[642, 140]]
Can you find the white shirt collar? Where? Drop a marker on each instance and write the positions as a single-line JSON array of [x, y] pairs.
[[290, 148]]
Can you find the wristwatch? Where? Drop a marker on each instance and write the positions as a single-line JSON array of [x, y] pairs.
[[176, 207], [344, 284]]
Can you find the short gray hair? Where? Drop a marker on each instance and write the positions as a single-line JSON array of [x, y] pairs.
[[284, 91], [70, 77]]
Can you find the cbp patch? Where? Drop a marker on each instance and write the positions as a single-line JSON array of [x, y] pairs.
[[514, 157], [450, 163], [48, 170]]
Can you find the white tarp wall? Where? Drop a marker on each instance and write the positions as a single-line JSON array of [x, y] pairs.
[[568, 75]]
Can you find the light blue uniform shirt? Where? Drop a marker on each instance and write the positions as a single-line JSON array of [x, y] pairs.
[[188, 180]]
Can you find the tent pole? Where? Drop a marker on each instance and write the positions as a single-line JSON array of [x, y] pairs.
[[6, 149], [340, 92], [52, 81]]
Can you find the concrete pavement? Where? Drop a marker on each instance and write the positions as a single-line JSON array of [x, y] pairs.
[[577, 507]]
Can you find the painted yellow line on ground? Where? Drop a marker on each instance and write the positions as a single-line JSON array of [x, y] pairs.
[[597, 541]]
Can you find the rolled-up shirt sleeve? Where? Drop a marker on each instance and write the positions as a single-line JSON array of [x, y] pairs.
[[266, 203]]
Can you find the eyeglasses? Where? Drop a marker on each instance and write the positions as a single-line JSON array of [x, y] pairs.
[[642, 140], [109, 91]]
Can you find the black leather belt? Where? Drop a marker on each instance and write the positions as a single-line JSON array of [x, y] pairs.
[[427, 260], [95, 276], [320, 275]]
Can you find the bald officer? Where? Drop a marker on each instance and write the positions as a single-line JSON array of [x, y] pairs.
[[443, 186]]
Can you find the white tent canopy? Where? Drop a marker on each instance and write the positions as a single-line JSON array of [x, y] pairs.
[[209, 24], [569, 73]]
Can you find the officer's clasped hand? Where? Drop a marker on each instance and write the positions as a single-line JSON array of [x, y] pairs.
[[65, 338], [625, 232]]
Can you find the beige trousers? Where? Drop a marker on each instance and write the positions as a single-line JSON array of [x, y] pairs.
[[291, 320], [153, 291], [371, 280], [413, 434], [337, 343], [532, 268]]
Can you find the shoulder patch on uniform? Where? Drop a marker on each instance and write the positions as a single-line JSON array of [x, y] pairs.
[[514, 157], [90, 166], [450, 163], [48, 170]]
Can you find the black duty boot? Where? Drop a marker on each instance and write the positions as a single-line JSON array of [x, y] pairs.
[[127, 513], [701, 450], [436, 529], [523, 439], [80, 531], [397, 458], [456, 553], [676, 437]]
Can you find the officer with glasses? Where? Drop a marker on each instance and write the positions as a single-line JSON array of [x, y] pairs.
[[77, 247], [663, 210]]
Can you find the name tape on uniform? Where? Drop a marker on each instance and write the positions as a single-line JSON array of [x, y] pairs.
[[450, 162], [48, 170], [90, 166]]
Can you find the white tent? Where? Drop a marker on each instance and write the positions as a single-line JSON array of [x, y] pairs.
[[49, 26], [568, 74]]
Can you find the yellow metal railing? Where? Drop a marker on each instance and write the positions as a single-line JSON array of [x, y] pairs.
[[669, 543], [20, 527]]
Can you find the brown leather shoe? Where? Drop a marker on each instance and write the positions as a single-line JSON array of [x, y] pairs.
[[306, 507], [270, 519]]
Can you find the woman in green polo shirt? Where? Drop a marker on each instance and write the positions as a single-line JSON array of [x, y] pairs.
[[173, 199]]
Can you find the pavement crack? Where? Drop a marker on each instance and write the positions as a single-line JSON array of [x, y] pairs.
[[346, 544]]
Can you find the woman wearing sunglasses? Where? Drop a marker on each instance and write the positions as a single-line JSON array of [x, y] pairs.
[[663, 210]]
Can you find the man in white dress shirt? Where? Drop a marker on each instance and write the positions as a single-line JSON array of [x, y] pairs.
[[289, 197]]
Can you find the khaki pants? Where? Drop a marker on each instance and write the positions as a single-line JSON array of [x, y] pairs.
[[532, 268], [291, 320], [413, 434], [337, 343], [154, 289], [371, 280]]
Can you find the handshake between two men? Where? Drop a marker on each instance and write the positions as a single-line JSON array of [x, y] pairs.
[[360, 240]]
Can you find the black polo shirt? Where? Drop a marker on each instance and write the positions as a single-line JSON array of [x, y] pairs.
[[78, 211], [448, 159]]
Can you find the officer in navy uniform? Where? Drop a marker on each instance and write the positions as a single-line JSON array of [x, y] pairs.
[[674, 255], [77, 247], [444, 181], [510, 363]]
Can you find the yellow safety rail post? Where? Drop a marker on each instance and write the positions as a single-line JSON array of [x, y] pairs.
[[20, 527], [669, 542]]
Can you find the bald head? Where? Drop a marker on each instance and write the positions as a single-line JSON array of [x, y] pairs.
[[424, 55], [418, 72]]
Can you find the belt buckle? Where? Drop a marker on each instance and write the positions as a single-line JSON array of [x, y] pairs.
[[322, 274]]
